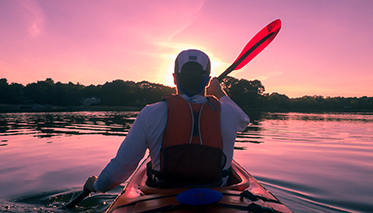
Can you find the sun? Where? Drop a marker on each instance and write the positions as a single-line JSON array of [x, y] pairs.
[[165, 70]]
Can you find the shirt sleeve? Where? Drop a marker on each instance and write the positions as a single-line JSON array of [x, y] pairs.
[[129, 154], [235, 112]]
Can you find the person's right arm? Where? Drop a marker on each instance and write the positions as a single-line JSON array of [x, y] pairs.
[[215, 89]]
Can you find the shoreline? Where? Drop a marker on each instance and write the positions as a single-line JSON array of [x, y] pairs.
[[16, 108]]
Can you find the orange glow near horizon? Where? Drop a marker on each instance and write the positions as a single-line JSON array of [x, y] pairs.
[[322, 48]]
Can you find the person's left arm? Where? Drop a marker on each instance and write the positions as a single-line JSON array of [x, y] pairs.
[[129, 154]]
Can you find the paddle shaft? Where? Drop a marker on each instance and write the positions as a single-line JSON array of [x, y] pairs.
[[242, 58], [80, 197]]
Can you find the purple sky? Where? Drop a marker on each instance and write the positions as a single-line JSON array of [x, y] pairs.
[[324, 47]]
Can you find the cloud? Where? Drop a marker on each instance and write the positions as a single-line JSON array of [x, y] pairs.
[[35, 17]]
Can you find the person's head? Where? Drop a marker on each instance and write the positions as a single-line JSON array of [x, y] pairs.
[[192, 72]]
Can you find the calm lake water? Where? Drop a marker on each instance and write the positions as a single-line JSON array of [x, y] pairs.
[[311, 162]]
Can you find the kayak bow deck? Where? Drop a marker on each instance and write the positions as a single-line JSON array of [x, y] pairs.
[[245, 194]]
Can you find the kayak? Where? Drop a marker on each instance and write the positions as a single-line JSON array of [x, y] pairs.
[[244, 194]]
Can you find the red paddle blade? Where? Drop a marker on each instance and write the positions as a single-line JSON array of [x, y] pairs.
[[254, 47], [260, 40]]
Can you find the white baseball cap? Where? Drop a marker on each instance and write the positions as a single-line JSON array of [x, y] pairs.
[[192, 55]]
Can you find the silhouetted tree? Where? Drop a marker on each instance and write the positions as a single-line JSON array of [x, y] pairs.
[[117, 93], [247, 94], [278, 101], [11, 94]]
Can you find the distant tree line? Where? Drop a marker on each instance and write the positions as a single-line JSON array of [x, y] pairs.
[[115, 93], [250, 95], [277, 102], [247, 94]]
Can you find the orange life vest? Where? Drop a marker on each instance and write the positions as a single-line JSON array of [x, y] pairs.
[[192, 147]]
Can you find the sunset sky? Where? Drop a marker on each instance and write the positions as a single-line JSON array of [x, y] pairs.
[[324, 47]]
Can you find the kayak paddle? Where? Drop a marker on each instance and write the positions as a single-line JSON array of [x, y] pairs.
[[254, 47]]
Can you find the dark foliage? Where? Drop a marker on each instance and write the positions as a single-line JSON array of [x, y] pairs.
[[115, 93], [247, 94]]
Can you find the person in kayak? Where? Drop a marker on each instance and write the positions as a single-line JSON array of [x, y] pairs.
[[190, 136]]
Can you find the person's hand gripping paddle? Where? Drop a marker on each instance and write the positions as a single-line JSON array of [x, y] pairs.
[[254, 47]]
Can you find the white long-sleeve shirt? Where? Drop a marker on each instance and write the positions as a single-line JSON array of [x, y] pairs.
[[147, 133]]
